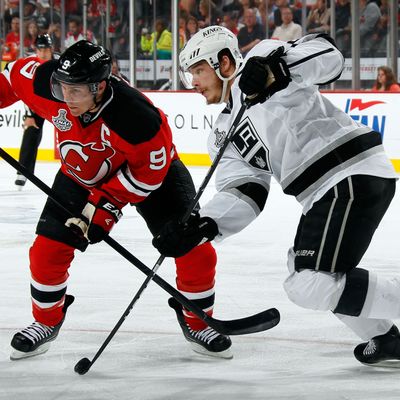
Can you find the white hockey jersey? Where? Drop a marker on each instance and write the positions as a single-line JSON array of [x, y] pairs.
[[297, 136]]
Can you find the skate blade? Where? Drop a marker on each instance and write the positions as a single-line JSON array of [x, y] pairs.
[[226, 354], [385, 364], [19, 355]]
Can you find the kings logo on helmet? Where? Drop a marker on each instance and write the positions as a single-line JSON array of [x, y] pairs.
[[211, 30]]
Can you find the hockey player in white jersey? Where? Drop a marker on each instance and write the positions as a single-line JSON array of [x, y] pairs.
[[335, 167]]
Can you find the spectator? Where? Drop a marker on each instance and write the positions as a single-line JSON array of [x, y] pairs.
[[182, 28], [120, 41], [318, 20], [72, 7], [116, 70], [12, 42], [146, 42], [30, 10], [96, 13], [288, 30], [249, 5], [208, 13], [370, 15], [342, 14], [43, 25], [31, 34], [13, 35], [251, 34], [343, 26], [11, 10], [75, 32], [379, 37], [385, 80], [189, 7], [192, 27], [230, 21], [44, 12], [279, 4], [228, 6], [265, 12], [161, 36], [55, 33]]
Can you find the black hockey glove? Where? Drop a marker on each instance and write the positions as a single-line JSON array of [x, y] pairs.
[[263, 76], [176, 238]]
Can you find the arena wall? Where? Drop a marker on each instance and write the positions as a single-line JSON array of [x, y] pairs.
[[191, 121]]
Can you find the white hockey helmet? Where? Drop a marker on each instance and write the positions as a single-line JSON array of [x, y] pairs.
[[205, 45]]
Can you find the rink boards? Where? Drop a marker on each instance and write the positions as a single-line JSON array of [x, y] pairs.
[[191, 120]]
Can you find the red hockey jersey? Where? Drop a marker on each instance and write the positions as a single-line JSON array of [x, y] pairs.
[[125, 148]]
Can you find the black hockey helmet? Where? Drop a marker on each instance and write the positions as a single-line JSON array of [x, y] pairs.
[[82, 63], [43, 42]]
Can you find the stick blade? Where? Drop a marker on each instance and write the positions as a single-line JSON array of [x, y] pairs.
[[243, 326], [260, 322]]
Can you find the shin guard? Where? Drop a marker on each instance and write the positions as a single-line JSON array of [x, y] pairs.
[[195, 279]]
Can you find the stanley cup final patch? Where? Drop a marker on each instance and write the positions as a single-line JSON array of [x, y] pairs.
[[61, 122], [219, 138]]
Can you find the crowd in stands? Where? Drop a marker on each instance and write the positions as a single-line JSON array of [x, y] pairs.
[[248, 19], [44, 16], [251, 20]]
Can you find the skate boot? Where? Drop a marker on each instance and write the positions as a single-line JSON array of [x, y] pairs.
[[206, 341], [20, 181], [381, 351], [37, 337]]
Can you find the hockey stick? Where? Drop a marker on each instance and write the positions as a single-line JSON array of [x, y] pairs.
[[256, 323]]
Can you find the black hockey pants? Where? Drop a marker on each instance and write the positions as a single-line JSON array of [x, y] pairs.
[[336, 232]]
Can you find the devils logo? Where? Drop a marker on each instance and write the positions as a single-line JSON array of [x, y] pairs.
[[86, 163]]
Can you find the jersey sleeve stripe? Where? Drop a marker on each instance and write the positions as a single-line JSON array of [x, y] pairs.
[[132, 185], [305, 59], [134, 181]]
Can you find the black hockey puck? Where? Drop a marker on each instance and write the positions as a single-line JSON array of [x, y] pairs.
[[82, 366]]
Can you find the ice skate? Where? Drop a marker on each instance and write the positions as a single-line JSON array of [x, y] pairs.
[[206, 341], [36, 338], [381, 351]]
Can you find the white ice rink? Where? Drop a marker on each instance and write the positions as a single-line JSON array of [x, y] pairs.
[[307, 356]]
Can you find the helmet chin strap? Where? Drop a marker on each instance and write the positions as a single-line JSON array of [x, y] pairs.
[[225, 82]]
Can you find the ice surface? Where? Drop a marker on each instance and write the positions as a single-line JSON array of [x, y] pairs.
[[307, 356]]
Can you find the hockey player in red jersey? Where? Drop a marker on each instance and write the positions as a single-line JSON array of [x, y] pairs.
[[115, 148], [336, 168]]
